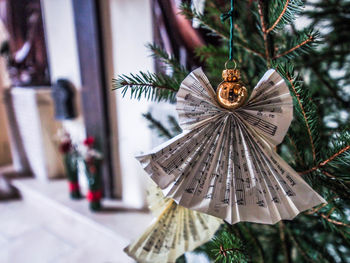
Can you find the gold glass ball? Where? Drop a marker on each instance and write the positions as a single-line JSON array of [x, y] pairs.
[[231, 93]]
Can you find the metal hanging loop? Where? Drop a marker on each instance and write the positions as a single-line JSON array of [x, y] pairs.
[[232, 60]]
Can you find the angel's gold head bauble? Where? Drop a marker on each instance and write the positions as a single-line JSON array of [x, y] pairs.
[[231, 93]]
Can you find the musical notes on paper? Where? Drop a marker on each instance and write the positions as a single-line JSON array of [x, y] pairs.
[[224, 163], [175, 231]]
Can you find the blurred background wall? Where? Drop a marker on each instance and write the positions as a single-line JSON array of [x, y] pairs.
[[123, 39], [121, 30]]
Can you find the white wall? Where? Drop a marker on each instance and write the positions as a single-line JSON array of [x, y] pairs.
[[63, 58], [130, 29], [124, 47], [62, 52], [60, 40]]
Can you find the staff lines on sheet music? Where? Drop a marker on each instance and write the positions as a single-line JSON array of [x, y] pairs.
[[257, 190], [266, 102], [199, 133], [258, 163], [197, 155], [263, 125], [268, 166], [205, 162], [197, 87], [193, 230], [228, 183], [265, 85], [202, 78], [192, 162], [265, 109], [193, 101], [262, 95], [270, 161], [238, 176], [152, 240], [169, 163], [265, 97], [217, 173]]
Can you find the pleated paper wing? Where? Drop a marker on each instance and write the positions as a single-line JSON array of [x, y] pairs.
[[175, 231], [224, 163]]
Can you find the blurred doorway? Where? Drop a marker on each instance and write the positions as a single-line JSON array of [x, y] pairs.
[[88, 26]]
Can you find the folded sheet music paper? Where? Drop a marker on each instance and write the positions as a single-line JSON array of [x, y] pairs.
[[224, 163], [175, 231]]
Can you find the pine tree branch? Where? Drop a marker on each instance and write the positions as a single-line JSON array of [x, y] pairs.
[[151, 86], [314, 245], [154, 124], [256, 242], [224, 251], [332, 89], [135, 84], [189, 13], [215, 31], [284, 242], [321, 164], [308, 40], [239, 30], [263, 27], [304, 116], [296, 152], [299, 248], [315, 210], [174, 125], [279, 18], [226, 247], [328, 174], [238, 41], [283, 13], [330, 212], [180, 71], [335, 222], [245, 46]]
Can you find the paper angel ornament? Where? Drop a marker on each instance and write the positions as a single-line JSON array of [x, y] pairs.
[[175, 231], [224, 163]]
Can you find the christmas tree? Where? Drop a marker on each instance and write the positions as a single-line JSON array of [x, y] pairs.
[[313, 57]]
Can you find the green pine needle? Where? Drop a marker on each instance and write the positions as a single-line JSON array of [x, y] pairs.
[[279, 15], [212, 25], [151, 86], [296, 45], [179, 71], [157, 125], [306, 116], [226, 248]]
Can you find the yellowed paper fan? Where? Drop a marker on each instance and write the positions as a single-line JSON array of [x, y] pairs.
[[175, 231], [224, 163], [156, 199]]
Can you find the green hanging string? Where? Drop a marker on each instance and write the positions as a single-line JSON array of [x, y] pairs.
[[224, 17]]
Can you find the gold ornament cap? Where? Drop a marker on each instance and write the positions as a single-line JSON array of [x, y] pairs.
[[231, 75], [231, 92]]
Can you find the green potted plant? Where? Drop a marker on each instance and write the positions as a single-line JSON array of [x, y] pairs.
[[70, 159], [92, 160]]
